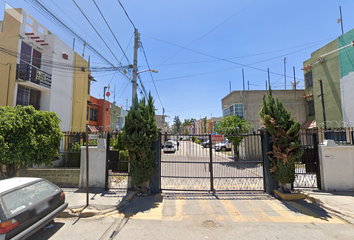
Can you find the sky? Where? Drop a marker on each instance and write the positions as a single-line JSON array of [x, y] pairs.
[[198, 47]]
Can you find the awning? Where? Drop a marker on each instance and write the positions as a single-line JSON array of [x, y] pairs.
[[93, 128], [309, 124]]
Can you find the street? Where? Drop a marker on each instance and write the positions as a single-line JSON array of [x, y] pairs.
[[253, 215]]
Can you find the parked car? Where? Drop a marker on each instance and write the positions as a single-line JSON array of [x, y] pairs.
[[225, 145], [205, 144], [169, 147], [27, 205]]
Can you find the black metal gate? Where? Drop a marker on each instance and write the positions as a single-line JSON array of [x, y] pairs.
[[193, 164], [307, 170], [117, 170]]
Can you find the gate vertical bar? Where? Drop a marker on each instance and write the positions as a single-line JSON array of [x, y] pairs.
[[211, 164], [318, 171], [107, 154]]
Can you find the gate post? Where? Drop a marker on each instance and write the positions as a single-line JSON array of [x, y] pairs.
[[155, 180], [107, 150], [317, 159], [211, 165], [269, 183]]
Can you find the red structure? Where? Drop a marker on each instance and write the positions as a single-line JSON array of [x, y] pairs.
[[95, 115]]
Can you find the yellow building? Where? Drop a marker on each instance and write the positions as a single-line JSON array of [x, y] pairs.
[[38, 68]]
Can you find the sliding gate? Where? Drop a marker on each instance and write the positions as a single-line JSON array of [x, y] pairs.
[[198, 165]]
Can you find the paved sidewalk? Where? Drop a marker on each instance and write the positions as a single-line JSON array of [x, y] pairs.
[[339, 203], [100, 201]]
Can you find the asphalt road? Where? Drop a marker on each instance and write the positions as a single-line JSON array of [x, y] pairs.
[[206, 216]]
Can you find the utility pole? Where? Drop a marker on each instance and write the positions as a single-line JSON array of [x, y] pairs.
[[243, 80], [341, 20], [268, 78], [135, 63], [285, 72], [323, 106], [104, 107]]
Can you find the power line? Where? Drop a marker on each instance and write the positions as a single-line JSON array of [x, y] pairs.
[[208, 32], [111, 31], [151, 74], [97, 32], [126, 14], [52, 17]]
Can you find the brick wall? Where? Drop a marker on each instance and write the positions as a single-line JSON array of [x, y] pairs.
[[63, 177]]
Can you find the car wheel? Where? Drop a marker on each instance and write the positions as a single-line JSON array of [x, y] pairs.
[[223, 148], [206, 145]]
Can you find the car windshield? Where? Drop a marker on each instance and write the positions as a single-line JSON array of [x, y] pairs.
[[25, 197], [169, 144]]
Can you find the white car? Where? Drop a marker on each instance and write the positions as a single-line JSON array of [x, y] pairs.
[[225, 145], [169, 147]]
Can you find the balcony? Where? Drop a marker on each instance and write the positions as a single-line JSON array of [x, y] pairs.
[[33, 76]]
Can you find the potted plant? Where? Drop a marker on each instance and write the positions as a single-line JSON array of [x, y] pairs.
[[286, 143]]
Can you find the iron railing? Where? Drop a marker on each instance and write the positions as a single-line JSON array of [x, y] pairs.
[[30, 73]]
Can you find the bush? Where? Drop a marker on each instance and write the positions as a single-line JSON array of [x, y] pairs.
[[193, 139], [198, 141]]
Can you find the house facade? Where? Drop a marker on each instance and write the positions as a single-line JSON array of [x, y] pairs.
[[333, 64], [247, 104], [37, 68]]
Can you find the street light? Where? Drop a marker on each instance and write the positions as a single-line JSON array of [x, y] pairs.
[[135, 74]]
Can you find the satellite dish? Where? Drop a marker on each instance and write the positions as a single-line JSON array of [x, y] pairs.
[[294, 84]]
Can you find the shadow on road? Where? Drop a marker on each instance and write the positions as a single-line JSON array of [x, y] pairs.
[[48, 231], [142, 204], [246, 195]]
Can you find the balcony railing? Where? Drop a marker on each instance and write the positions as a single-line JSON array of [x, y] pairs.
[[30, 73]]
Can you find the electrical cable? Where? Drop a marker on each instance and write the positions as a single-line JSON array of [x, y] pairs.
[[126, 14], [97, 32], [111, 31], [151, 75]]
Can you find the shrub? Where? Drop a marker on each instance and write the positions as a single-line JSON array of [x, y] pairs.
[[193, 138], [74, 155]]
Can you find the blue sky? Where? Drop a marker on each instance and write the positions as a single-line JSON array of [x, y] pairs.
[[198, 46]]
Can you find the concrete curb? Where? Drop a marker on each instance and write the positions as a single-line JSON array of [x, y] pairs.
[[349, 218], [86, 212]]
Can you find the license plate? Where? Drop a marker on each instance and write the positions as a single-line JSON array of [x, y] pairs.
[[42, 207]]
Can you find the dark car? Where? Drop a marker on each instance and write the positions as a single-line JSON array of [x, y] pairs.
[[27, 205]]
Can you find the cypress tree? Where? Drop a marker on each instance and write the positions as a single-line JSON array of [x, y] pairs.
[[285, 137], [140, 131]]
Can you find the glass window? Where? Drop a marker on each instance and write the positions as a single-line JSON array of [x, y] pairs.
[[310, 108], [226, 112], [239, 110], [93, 114], [308, 79], [29, 20], [88, 86], [87, 113], [25, 197]]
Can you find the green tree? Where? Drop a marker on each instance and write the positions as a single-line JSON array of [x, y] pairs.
[[285, 137], [177, 124], [234, 127], [186, 132], [140, 131], [27, 136], [188, 122]]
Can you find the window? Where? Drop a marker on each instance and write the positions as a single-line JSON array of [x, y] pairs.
[[25, 197], [27, 96], [87, 113], [93, 114], [308, 79], [239, 110], [88, 86], [226, 112], [29, 24], [310, 108]]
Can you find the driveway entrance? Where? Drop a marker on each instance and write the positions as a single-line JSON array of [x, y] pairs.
[[198, 166]]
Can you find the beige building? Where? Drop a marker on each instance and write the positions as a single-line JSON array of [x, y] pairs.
[[162, 124], [247, 104]]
